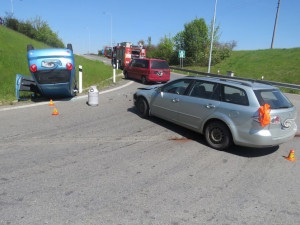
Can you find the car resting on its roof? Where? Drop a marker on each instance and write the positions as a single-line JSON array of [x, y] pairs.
[[53, 73]]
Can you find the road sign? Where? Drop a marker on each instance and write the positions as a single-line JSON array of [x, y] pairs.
[[181, 54]]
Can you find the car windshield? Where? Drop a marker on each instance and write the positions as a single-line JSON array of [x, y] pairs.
[[274, 98], [159, 65]]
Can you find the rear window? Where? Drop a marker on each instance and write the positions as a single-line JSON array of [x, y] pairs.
[[274, 98], [52, 76], [159, 65], [140, 63]]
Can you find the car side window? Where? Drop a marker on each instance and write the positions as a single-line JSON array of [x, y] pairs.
[[178, 87], [146, 64], [138, 63], [234, 95], [132, 63], [207, 90]]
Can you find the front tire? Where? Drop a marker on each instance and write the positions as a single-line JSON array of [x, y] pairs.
[[218, 135], [144, 81], [30, 47], [142, 108], [74, 88], [126, 75]]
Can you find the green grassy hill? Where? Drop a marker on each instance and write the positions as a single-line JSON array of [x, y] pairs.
[[13, 60], [281, 65]]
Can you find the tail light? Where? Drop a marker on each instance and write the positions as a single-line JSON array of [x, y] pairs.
[[69, 66], [33, 68], [275, 120]]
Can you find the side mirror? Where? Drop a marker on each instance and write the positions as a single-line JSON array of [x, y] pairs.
[[158, 90]]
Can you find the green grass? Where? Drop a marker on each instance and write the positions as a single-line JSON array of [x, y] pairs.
[[280, 65], [13, 60]]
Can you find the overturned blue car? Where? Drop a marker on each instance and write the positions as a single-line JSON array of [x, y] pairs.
[[53, 73]]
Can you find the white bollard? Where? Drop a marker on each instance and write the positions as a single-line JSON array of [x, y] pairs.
[[114, 74], [80, 79]]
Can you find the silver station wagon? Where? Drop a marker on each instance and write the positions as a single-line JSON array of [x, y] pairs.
[[225, 111]]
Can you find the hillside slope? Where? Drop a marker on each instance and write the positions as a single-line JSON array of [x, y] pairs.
[[13, 60], [282, 65]]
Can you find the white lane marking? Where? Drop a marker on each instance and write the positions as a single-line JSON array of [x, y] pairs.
[[73, 99]]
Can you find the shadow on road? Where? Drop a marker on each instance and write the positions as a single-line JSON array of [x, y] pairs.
[[194, 136]]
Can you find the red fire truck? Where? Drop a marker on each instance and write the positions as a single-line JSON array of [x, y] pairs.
[[107, 52], [125, 51]]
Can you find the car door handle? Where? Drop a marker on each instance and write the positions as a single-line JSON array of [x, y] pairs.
[[210, 106], [175, 100]]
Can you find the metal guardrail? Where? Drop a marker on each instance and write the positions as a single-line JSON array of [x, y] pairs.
[[278, 84]]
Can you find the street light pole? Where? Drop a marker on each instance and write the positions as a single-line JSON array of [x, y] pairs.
[[12, 7], [110, 26], [89, 39], [274, 31], [110, 30], [212, 37]]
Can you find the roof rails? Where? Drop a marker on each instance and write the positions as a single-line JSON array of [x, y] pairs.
[[245, 83], [235, 81]]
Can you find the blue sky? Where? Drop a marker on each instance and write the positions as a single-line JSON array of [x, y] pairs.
[[86, 24]]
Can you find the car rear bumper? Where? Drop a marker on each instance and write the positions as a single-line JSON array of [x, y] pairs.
[[264, 138]]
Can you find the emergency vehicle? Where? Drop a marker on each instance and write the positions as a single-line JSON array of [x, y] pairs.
[[124, 52], [107, 52]]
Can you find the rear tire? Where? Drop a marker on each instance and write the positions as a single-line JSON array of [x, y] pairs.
[[126, 75], [144, 81], [30, 47], [218, 135], [142, 108], [69, 46]]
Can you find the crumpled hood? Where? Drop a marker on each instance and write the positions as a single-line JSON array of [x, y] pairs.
[[150, 87]]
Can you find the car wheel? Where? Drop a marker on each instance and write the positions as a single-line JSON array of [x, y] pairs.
[[142, 108], [29, 47], [69, 46], [218, 135], [125, 75], [144, 81], [74, 88]]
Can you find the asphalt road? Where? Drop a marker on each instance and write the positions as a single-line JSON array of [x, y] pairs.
[[105, 165], [106, 61]]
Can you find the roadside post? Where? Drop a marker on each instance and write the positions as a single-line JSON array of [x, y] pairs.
[[114, 73], [181, 56], [80, 79]]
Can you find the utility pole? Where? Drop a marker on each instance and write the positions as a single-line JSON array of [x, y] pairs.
[[212, 37], [274, 31]]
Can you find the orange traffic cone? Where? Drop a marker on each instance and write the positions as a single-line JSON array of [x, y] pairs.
[[291, 156], [51, 103], [55, 113]]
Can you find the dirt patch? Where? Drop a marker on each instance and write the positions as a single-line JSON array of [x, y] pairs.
[[297, 134], [179, 139]]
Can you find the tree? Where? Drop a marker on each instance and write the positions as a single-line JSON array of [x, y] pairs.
[[196, 41], [165, 49], [149, 42], [179, 41]]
